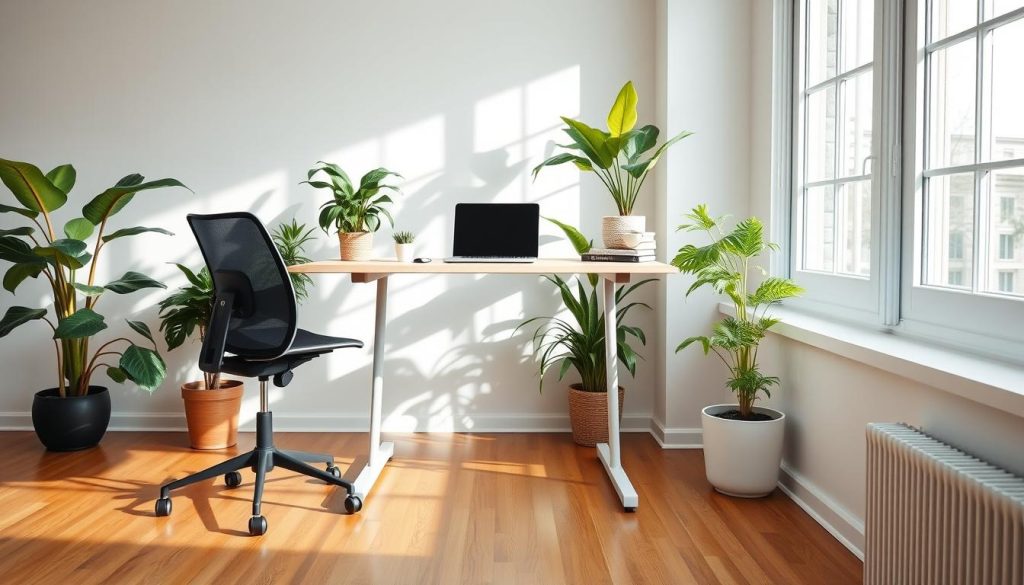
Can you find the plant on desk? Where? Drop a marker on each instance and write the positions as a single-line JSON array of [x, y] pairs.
[[75, 414], [355, 213], [742, 443], [617, 158], [579, 344], [212, 404], [403, 245]]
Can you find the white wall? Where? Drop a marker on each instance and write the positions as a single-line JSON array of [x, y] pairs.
[[828, 399], [705, 72], [238, 98]]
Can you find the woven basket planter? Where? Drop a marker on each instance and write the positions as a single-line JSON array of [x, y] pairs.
[[356, 246], [212, 415], [588, 415], [614, 227]]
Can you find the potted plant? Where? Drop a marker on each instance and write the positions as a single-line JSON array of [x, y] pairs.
[[615, 157], [403, 246], [742, 442], [75, 413], [579, 344], [354, 213], [212, 404]]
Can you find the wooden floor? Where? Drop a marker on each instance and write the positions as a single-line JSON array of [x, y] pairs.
[[508, 508]]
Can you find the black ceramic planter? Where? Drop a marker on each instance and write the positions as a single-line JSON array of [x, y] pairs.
[[72, 423]]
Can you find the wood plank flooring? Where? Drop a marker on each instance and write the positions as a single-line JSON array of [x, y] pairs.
[[450, 508]]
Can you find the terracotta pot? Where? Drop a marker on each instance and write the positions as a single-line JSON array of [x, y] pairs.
[[588, 415], [614, 229], [356, 246], [212, 415]]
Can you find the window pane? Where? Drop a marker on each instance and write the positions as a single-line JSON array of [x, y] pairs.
[[949, 231], [952, 16], [858, 32], [822, 24], [855, 223], [1006, 268], [996, 7], [856, 107], [820, 149], [819, 228], [1007, 93], [951, 105]]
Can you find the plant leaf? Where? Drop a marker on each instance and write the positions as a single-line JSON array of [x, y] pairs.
[[115, 198], [63, 178], [131, 282], [580, 162], [14, 250], [117, 375], [638, 169], [87, 290], [30, 187], [143, 366], [640, 141], [579, 241], [66, 252], [81, 323], [26, 212], [142, 329], [16, 316], [19, 272], [591, 142], [18, 231], [622, 116], [78, 228], [132, 231]]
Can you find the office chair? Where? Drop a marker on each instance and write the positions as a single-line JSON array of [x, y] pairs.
[[252, 333]]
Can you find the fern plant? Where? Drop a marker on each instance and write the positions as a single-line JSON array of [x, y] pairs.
[[291, 239], [726, 265]]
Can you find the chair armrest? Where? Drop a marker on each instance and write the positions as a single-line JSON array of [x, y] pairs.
[[211, 356]]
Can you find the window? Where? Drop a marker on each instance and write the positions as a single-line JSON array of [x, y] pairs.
[[956, 246], [1006, 247], [1007, 208], [956, 278], [1006, 281]]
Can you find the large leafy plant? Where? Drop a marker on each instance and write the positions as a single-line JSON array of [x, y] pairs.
[[615, 156], [70, 269], [352, 209], [725, 265], [579, 343], [188, 309]]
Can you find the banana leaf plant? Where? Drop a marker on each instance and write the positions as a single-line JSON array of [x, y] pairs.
[[64, 259], [352, 209], [616, 156], [725, 265], [579, 344]]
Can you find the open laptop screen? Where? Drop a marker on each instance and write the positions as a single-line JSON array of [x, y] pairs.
[[496, 229]]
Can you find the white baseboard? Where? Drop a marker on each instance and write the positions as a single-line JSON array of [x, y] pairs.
[[840, 523], [325, 423], [676, 438]]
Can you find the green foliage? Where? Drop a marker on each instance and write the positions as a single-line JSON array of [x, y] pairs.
[[615, 155], [351, 209], [37, 249], [403, 237], [725, 265], [291, 239]]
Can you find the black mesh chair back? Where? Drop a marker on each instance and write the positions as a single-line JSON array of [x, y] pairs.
[[244, 262]]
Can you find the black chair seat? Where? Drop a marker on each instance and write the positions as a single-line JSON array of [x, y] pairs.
[[306, 346], [309, 342]]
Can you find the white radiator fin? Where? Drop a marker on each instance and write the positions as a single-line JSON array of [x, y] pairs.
[[938, 515]]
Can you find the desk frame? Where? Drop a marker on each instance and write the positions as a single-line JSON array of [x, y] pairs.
[[378, 271]]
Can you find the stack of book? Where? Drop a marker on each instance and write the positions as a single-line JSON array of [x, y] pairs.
[[643, 252]]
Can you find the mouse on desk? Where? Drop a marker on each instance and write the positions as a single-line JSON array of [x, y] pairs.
[[421, 260]]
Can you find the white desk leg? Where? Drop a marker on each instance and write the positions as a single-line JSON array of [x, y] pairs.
[[609, 452], [380, 453]]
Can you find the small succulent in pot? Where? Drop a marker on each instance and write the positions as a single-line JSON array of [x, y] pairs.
[[403, 245]]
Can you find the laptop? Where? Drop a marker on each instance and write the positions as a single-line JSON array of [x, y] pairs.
[[495, 232]]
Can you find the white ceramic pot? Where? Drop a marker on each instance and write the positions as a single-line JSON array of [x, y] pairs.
[[742, 458], [403, 252], [617, 229], [356, 246]]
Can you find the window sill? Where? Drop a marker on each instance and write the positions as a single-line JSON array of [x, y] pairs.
[[988, 381]]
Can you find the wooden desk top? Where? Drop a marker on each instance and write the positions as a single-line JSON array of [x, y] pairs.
[[619, 271]]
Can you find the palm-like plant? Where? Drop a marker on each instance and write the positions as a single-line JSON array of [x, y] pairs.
[[291, 239], [579, 343], [63, 261], [725, 265], [614, 156], [350, 209]]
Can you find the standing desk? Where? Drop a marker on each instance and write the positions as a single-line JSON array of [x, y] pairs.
[[380, 270]]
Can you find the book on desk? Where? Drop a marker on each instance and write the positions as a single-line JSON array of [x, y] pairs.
[[642, 252]]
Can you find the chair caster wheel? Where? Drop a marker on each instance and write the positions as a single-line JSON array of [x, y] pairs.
[[232, 479], [163, 507], [257, 525], [333, 470], [353, 504]]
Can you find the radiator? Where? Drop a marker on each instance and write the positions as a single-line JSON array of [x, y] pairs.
[[936, 515]]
